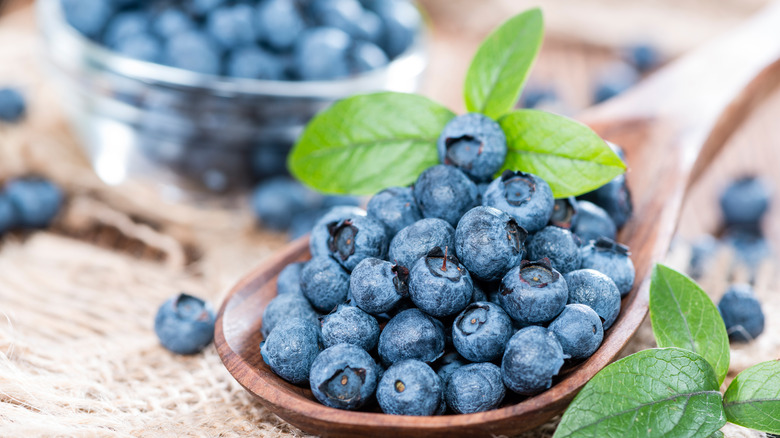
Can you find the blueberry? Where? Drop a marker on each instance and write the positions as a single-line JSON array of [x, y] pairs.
[[232, 26], [448, 364], [614, 80], [350, 325], [489, 242], [318, 243], [36, 201], [125, 25], [276, 200], [533, 292], [445, 192], [579, 330], [377, 285], [401, 21], [254, 63], [409, 387], [644, 57], [418, 239], [286, 306], [324, 283], [411, 335], [279, 23], [321, 54], [185, 324], [473, 143], [611, 259], [87, 16], [8, 218], [615, 198], [341, 14], [479, 292], [365, 57], [12, 105], [745, 201], [535, 96], [170, 22], [557, 244], [141, 46], [749, 244], [343, 376], [395, 207], [439, 284], [357, 238], [525, 197], [289, 280], [564, 212], [742, 314], [204, 7], [477, 387], [532, 358], [291, 347], [592, 222], [595, 290], [481, 331], [195, 51], [703, 252]]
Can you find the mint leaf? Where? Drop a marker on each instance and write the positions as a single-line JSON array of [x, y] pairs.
[[753, 398], [683, 316], [665, 392], [366, 143], [501, 65], [567, 154]]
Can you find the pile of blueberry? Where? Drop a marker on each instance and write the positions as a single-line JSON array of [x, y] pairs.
[[29, 203], [442, 295], [259, 39]]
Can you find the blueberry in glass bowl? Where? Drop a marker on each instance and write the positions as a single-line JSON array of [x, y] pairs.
[[209, 96]]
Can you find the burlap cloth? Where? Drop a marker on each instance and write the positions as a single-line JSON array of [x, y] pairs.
[[78, 356]]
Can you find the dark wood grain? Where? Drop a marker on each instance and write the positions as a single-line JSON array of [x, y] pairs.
[[671, 127]]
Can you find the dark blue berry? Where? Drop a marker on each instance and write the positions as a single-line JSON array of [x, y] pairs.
[[749, 244], [291, 348], [357, 238], [377, 285], [232, 26], [742, 314], [411, 335], [401, 24], [489, 242], [448, 364], [477, 387], [321, 53], [324, 283], [170, 22], [276, 201], [579, 330], [125, 25], [595, 290], [535, 96], [87, 16], [473, 143], [8, 215], [254, 63], [557, 244], [204, 7], [532, 358], [611, 259], [592, 222], [614, 80], [286, 306], [343, 376], [525, 197], [185, 324], [533, 292], [644, 57], [564, 212], [289, 279], [395, 207], [418, 239], [745, 201], [409, 387], [615, 198], [439, 284], [12, 105], [350, 325], [318, 243], [703, 251], [36, 201], [279, 23], [365, 56], [481, 331], [445, 192], [195, 51], [143, 47]]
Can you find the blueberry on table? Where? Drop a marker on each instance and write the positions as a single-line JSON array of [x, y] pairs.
[[745, 201], [615, 198], [290, 305], [8, 215], [742, 314], [445, 192], [395, 207], [595, 290], [36, 201], [439, 284], [557, 244], [321, 53], [476, 387], [279, 23], [579, 330], [291, 348], [525, 197], [410, 387], [532, 358], [276, 201], [612, 259], [643, 56], [592, 222], [749, 244], [564, 212], [87, 16], [703, 251], [418, 239], [195, 51], [354, 239], [376, 286], [318, 241], [489, 242], [614, 80], [411, 335], [185, 324], [289, 279], [473, 143], [536, 96], [324, 283], [343, 376], [12, 105], [350, 325], [533, 292], [481, 331]]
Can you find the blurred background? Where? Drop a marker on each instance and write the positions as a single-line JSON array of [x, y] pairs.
[[77, 353]]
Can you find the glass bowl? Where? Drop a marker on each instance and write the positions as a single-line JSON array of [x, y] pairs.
[[187, 133]]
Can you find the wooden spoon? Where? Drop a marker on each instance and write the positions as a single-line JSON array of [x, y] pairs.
[[671, 127]]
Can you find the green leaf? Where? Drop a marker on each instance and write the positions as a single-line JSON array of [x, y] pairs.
[[683, 316], [366, 143], [716, 434], [665, 392], [501, 65], [567, 154], [753, 398]]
